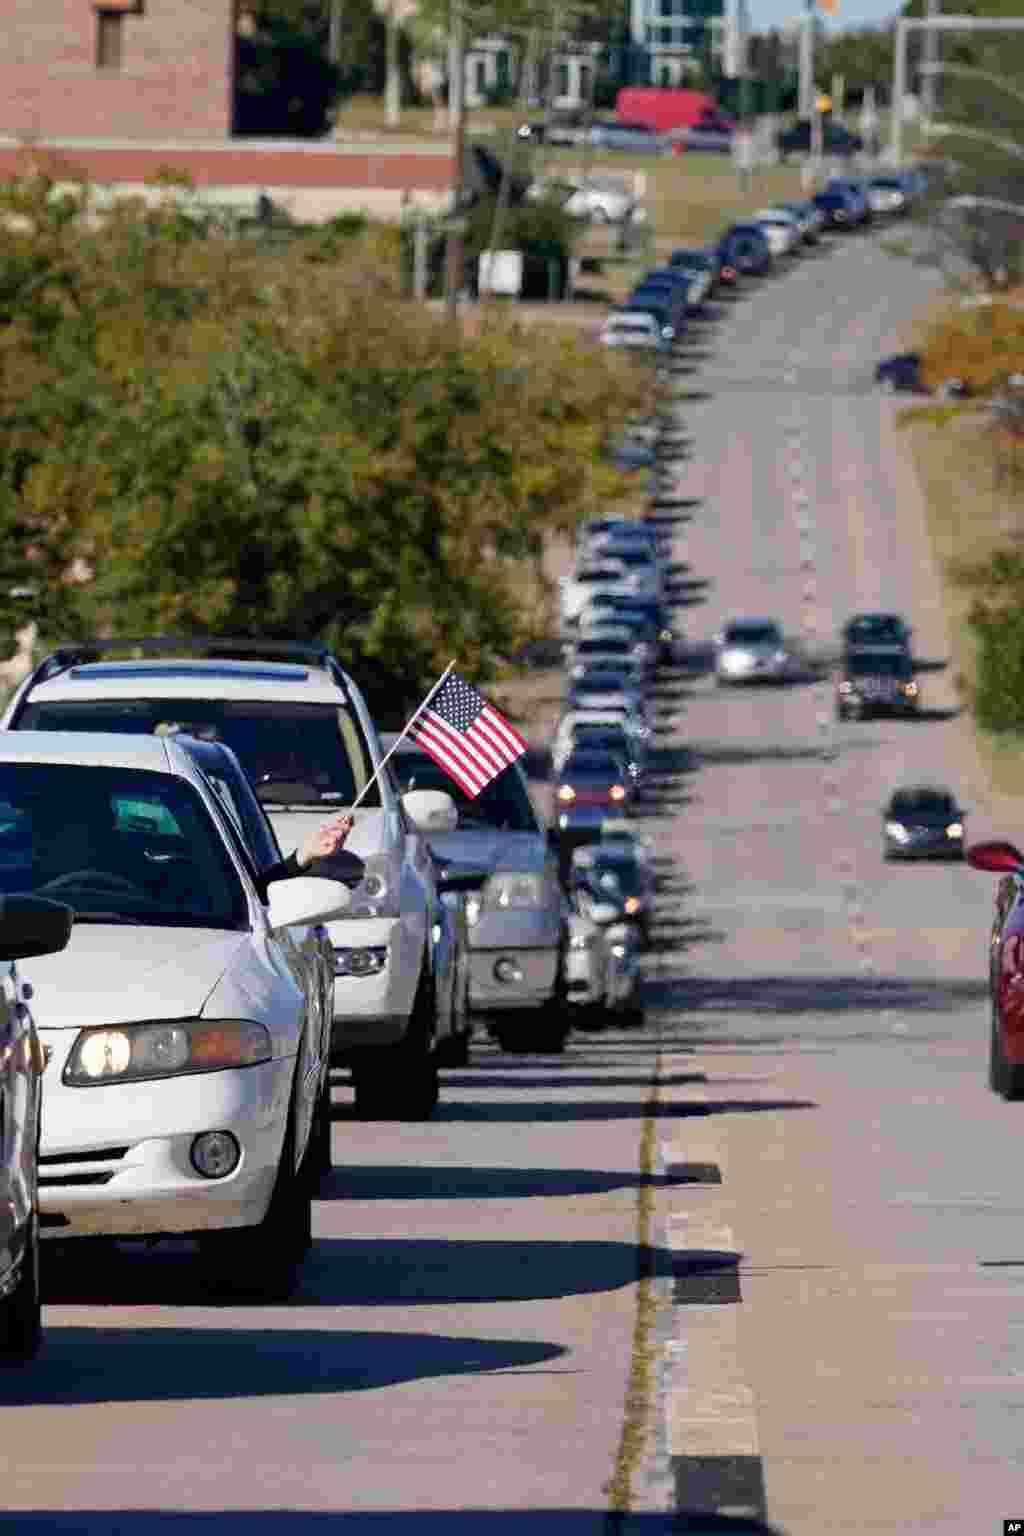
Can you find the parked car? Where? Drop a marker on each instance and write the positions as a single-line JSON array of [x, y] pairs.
[[566, 128], [888, 195], [745, 248], [837, 208], [636, 138], [901, 374], [810, 220], [188, 1089], [710, 137], [301, 730], [782, 228], [667, 308], [697, 261], [603, 201], [577, 590], [1006, 1035], [856, 190], [636, 330], [923, 821], [835, 140], [515, 910], [652, 612], [30, 926], [751, 650], [600, 736], [876, 680]]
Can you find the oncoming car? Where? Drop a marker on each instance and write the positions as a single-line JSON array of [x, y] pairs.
[[187, 1087], [923, 821], [751, 651]]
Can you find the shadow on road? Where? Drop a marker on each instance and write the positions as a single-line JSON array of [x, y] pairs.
[[509, 1113], [813, 994], [385, 1522], [123, 1365], [360, 1182]]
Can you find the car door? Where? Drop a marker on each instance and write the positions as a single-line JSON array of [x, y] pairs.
[[21, 1065]]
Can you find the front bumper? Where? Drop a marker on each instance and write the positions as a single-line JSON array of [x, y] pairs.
[[893, 705], [951, 848], [114, 1160], [374, 1010]]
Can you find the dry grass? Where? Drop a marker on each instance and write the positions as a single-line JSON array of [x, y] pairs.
[[970, 514]]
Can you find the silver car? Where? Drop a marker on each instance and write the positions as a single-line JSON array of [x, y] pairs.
[[751, 651], [29, 925], [516, 912]]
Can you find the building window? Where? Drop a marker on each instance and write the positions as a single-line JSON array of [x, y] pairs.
[[109, 39]]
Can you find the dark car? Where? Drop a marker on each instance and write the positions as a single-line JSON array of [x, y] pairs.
[[596, 685], [591, 787], [837, 207], [876, 681], [835, 140], [699, 259], [560, 128], [923, 822], [902, 375], [745, 248], [663, 299], [650, 616], [611, 873], [873, 629], [1006, 1040]]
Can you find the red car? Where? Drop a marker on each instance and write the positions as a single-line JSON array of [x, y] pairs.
[[1006, 967]]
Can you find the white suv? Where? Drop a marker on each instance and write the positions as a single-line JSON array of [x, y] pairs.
[[303, 733]]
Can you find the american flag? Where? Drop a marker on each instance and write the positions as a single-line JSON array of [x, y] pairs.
[[466, 736]]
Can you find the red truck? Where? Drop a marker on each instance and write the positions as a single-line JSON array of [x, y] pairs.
[[691, 115]]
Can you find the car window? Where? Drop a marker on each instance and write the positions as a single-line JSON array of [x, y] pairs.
[[752, 634], [880, 664], [922, 802], [317, 750], [119, 846], [504, 803]]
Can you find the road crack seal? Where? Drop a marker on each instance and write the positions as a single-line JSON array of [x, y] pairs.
[[640, 1389]]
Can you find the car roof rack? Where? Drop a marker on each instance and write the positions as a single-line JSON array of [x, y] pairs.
[[76, 653]]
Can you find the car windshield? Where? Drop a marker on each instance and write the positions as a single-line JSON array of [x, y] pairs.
[[295, 754], [752, 634], [504, 803], [875, 626], [922, 802], [591, 765], [603, 646], [880, 664], [619, 876], [116, 845]]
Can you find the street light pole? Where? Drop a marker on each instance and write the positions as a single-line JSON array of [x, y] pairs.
[[454, 246]]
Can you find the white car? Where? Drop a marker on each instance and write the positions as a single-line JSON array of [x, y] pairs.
[[633, 329], [750, 651], [782, 229], [301, 729], [28, 926], [575, 591], [187, 1084]]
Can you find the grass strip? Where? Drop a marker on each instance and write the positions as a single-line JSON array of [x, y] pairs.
[[641, 1385]]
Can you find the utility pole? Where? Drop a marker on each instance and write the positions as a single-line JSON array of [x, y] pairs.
[[807, 91], [334, 19], [393, 79], [929, 58], [454, 245]]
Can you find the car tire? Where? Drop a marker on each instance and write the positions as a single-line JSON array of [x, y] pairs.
[[21, 1328], [1005, 1079], [320, 1156], [263, 1260], [400, 1082]]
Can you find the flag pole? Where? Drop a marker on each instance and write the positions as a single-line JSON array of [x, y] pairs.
[[401, 737]]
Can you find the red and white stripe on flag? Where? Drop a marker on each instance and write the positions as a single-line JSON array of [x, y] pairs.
[[467, 737]]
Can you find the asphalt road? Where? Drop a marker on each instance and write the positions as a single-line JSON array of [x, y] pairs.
[[874, 1195], [457, 1356]]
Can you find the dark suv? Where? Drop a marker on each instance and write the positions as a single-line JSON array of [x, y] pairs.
[[876, 680]]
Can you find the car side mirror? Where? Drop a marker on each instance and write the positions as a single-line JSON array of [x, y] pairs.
[[31, 925], [430, 810], [306, 899]]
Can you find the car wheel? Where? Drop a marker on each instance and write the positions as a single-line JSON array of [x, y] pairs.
[[263, 1260], [1004, 1078], [21, 1313], [400, 1082], [319, 1154], [454, 1052]]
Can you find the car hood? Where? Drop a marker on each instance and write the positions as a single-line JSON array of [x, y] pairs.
[[490, 849], [114, 974]]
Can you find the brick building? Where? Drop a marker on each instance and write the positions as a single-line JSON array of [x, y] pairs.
[[119, 69]]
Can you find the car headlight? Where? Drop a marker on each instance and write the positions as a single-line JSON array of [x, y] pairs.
[[631, 905], [955, 829], [668, 331], [897, 831], [368, 960], [617, 792], [736, 661], [135, 1051], [376, 895], [910, 690], [666, 636], [566, 793], [514, 892]]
